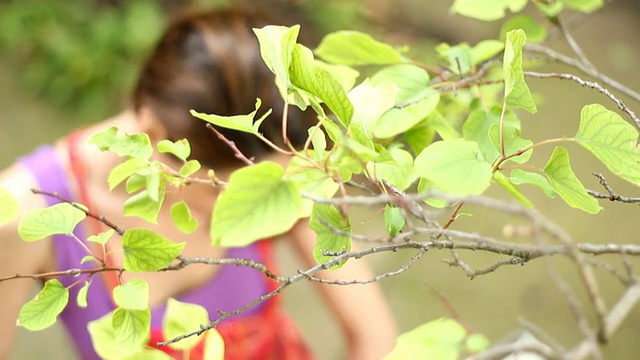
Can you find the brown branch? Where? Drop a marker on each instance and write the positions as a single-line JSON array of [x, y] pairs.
[[611, 196], [620, 311], [238, 154], [553, 55], [589, 84], [54, 274], [572, 43]]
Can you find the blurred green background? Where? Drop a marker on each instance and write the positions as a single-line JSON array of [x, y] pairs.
[[68, 63]]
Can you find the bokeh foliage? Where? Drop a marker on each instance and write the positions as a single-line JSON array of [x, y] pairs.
[[80, 55]]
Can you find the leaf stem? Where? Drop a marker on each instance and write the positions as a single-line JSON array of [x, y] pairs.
[[502, 158]]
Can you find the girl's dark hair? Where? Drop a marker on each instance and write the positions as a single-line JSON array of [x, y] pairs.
[[210, 62]]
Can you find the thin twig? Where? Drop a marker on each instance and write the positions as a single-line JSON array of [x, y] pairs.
[[612, 196], [238, 154], [572, 43], [541, 335], [590, 84], [620, 311], [55, 274], [556, 56]]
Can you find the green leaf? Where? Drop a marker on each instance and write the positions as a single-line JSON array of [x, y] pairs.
[[213, 345], [420, 136], [370, 102], [153, 184], [393, 219], [612, 140], [276, 46], [256, 204], [519, 177], [133, 295], [135, 182], [181, 318], [550, 10], [306, 75], [439, 339], [311, 181], [356, 48], [143, 206], [411, 80], [318, 141], [43, 310], [57, 219], [414, 101], [190, 168], [88, 258], [585, 6], [476, 343], [476, 128], [459, 57], [103, 339], [442, 126], [82, 295], [534, 33], [145, 250], [565, 183], [244, 123], [516, 91], [400, 119], [180, 149], [504, 181], [345, 75], [9, 206], [485, 50], [131, 328], [102, 238], [397, 171], [486, 10], [124, 170], [513, 143], [182, 218], [454, 166], [333, 233], [138, 145]]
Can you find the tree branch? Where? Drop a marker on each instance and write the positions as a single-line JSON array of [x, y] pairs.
[[589, 84]]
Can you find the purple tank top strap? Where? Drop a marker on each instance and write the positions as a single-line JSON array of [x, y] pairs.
[[52, 177]]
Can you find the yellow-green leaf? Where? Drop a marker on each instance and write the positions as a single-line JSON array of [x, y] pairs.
[[516, 91], [42, 311], [82, 295], [181, 318], [57, 219], [504, 181], [309, 77], [356, 48], [454, 166], [182, 218], [439, 339], [565, 183], [256, 204], [213, 346], [332, 230], [612, 140], [146, 250], [131, 328], [133, 295]]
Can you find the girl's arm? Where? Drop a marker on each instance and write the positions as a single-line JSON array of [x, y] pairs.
[[361, 309], [18, 256]]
